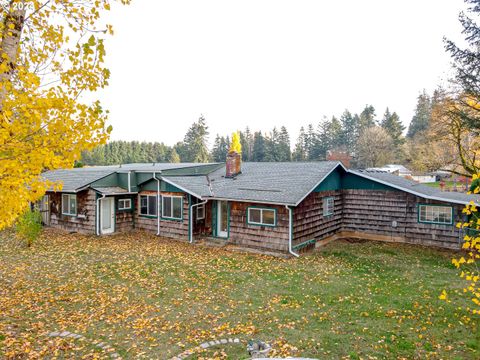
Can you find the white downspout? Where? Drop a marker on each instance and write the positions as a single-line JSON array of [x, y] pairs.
[[190, 218], [290, 231], [129, 183], [97, 222], [158, 203]]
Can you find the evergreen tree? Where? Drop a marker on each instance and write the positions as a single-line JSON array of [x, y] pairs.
[[220, 149], [350, 130], [311, 143], [246, 139], [195, 142], [283, 148], [271, 146], [422, 117], [467, 66], [258, 147], [330, 136], [367, 118], [300, 152], [393, 126]]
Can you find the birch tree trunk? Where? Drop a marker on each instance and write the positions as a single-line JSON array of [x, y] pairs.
[[13, 23]]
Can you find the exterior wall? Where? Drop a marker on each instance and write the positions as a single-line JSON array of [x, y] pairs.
[[177, 229], [374, 211], [84, 222], [124, 219], [267, 238], [309, 222]]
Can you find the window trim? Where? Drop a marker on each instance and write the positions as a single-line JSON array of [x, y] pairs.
[[435, 222], [140, 205], [119, 208], [171, 205], [249, 222], [325, 201], [202, 206], [70, 196]]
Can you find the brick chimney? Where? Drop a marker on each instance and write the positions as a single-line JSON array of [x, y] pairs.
[[234, 164]]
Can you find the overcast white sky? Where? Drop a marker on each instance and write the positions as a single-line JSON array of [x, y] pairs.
[[270, 63]]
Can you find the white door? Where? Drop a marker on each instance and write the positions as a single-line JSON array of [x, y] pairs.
[[107, 215], [222, 219]]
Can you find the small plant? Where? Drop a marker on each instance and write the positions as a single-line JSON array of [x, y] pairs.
[[29, 226]]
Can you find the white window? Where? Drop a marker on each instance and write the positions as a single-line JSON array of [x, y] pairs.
[[328, 206], [172, 207], [435, 214], [148, 205], [124, 204], [201, 212], [261, 216], [69, 204]]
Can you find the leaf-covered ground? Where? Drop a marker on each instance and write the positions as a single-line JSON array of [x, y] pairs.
[[154, 298]]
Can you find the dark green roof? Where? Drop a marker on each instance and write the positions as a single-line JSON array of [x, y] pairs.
[[78, 178]]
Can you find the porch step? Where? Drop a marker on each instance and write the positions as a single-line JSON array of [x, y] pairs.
[[214, 242]]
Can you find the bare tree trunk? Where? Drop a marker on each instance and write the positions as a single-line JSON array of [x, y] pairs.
[[13, 23]]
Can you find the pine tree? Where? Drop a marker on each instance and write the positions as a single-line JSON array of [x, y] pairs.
[[467, 66], [330, 134], [423, 114], [195, 142], [283, 148], [258, 147], [367, 118], [246, 139], [220, 149], [300, 153], [311, 143], [350, 130], [393, 126], [271, 146]]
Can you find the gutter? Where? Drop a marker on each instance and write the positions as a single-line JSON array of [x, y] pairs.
[[97, 214], [158, 203], [290, 231], [190, 219]]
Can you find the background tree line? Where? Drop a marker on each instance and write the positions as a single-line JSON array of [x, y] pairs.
[[350, 134], [443, 133]]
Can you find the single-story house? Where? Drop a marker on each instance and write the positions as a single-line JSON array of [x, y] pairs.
[[272, 207]]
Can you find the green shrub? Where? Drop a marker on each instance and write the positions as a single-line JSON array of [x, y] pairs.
[[29, 226]]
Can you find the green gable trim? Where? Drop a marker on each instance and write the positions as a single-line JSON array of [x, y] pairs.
[[355, 182], [107, 181], [332, 182], [164, 186]]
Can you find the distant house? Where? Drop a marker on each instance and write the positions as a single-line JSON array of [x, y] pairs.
[[402, 171], [272, 207], [394, 169]]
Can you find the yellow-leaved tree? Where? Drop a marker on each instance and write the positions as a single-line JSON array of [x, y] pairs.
[[469, 262], [235, 145], [52, 54]]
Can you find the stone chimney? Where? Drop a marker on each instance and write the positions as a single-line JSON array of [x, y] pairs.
[[234, 164]]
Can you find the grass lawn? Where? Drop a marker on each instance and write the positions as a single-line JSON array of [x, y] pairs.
[[153, 298]]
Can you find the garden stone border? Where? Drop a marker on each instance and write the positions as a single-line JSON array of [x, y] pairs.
[[205, 345], [98, 344]]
